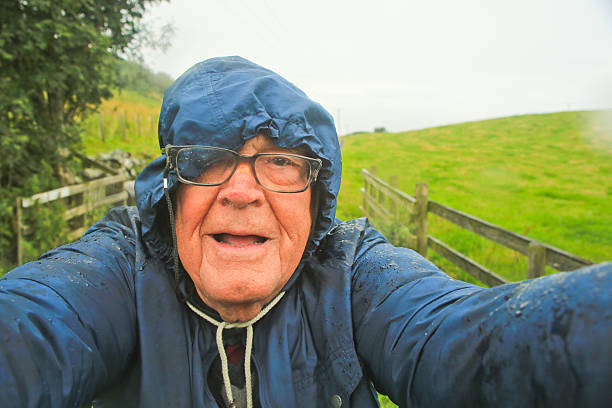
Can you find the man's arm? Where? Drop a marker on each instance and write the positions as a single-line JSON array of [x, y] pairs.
[[428, 340], [68, 321]]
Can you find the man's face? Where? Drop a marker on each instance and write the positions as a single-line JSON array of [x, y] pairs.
[[239, 242]]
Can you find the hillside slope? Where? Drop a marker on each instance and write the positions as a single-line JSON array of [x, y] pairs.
[[129, 122], [547, 176], [129, 119]]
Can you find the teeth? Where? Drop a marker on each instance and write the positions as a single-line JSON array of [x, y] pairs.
[[239, 240]]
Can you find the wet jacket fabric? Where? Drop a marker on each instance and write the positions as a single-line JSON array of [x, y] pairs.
[[100, 319]]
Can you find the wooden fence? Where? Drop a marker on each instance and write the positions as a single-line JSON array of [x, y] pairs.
[[81, 200], [383, 201]]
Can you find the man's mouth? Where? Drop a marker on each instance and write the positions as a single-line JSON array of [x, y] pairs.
[[239, 240]]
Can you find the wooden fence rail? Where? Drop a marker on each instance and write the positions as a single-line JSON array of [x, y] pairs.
[[86, 197], [382, 200]]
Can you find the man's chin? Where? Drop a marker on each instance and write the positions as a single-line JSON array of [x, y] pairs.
[[228, 283], [238, 305]]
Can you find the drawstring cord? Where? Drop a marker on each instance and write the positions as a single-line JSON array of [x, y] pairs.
[[172, 229], [220, 325], [248, 349]]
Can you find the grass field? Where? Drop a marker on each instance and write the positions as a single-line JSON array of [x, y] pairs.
[[546, 176]]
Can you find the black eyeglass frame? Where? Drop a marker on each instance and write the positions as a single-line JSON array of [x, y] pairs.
[[172, 152]]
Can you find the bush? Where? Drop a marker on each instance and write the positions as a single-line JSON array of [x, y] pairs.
[[47, 222]]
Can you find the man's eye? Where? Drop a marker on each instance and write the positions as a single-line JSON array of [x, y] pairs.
[[281, 161]]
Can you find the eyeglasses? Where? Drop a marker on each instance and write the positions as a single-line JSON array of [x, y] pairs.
[[212, 166]]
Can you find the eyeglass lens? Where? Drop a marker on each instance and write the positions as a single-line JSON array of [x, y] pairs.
[[275, 171]]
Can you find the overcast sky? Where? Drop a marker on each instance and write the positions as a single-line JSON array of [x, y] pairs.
[[408, 64]]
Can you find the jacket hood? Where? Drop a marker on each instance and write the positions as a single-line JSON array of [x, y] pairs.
[[224, 102]]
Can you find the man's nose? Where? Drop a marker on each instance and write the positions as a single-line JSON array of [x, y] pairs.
[[242, 188]]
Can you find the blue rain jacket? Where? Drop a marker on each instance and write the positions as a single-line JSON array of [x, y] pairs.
[[99, 319]]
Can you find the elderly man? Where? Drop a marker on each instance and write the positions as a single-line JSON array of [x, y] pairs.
[[232, 284]]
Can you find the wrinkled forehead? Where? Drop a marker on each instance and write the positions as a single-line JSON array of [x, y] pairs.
[[264, 144]]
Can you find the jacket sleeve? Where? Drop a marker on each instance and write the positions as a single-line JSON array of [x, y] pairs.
[[427, 340], [68, 320]]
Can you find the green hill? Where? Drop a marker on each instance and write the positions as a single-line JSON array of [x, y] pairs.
[[547, 176], [129, 122]]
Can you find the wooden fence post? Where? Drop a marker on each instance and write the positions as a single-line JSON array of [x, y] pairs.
[[536, 259], [373, 192], [392, 203], [19, 225], [422, 192], [366, 190], [101, 120], [85, 199]]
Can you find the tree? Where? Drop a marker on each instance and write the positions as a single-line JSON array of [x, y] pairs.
[[57, 62], [134, 76]]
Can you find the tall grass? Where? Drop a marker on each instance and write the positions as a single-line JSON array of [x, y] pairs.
[[124, 110]]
